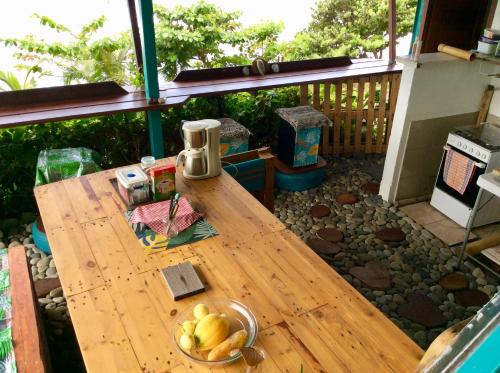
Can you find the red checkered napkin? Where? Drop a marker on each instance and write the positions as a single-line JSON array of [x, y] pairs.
[[153, 214]]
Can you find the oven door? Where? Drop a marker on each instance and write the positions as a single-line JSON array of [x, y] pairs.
[[470, 194]]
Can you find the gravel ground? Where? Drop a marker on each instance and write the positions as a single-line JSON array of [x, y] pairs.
[[415, 264]]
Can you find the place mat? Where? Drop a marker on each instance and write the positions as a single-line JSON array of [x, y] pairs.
[[153, 241], [153, 214], [7, 359]]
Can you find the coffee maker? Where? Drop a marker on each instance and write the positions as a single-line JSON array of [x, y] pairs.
[[201, 157]]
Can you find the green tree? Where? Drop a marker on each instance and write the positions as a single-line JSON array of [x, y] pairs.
[[82, 58], [354, 27], [261, 40], [204, 36]]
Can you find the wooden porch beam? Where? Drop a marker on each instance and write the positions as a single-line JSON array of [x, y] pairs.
[[392, 31], [135, 34]]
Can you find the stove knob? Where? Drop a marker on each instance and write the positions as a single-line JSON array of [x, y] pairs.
[[464, 147], [478, 154], [471, 150], [483, 156], [459, 144]]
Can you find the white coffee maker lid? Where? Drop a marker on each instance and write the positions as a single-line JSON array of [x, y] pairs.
[[194, 126], [211, 123]]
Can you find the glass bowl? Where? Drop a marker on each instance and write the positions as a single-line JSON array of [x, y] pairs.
[[241, 318]]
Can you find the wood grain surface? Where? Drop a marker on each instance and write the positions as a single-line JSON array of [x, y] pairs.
[[123, 313], [63, 103], [30, 348]]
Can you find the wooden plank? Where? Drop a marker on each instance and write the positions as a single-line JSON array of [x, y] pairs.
[[30, 348], [325, 145], [371, 114], [52, 113], [336, 124], [304, 93], [348, 122], [279, 346], [346, 339], [81, 272], [316, 93], [259, 261], [391, 31], [54, 199], [275, 81], [84, 200], [381, 124], [103, 341], [214, 267], [393, 97], [109, 253], [357, 68], [149, 337], [359, 114]]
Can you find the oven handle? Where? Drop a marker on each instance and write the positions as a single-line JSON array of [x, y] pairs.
[[477, 164]]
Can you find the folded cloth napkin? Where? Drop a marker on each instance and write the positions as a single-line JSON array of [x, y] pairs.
[[153, 214], [458, 170]]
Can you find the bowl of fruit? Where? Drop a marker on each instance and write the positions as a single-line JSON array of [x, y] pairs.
[[213, 333]]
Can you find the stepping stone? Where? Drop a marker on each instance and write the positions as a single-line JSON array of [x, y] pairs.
[[374, 275], [319, 211], [330, 234], [347, 199], [453, 281], [45, 285], [371, 187], [471, 297], [391, 235], [323, 247], [420, 309]]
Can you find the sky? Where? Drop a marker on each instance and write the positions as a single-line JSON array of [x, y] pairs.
[[16, 17]]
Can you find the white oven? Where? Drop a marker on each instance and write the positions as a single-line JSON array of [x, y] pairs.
[[482, 146]]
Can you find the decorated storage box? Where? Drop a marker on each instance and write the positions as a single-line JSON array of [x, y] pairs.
[[299, 134], [233, 137]]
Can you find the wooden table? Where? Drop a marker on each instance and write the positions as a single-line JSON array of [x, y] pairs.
[[123, 313]]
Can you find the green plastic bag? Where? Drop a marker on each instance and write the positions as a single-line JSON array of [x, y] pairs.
[[60, 164]]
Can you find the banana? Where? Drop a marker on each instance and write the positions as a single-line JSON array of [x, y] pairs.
[[236, 340]]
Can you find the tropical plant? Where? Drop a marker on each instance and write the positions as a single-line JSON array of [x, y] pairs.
[[355, 27], [82, 58], [12, 83]]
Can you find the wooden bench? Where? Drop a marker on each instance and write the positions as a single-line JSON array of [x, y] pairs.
[[30, 348]]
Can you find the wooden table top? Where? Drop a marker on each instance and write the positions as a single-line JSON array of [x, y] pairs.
[[123, 313]]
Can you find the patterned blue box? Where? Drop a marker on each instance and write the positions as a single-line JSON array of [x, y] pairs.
[[299, 135]]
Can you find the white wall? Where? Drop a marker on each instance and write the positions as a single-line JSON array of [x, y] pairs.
[[441, 86]]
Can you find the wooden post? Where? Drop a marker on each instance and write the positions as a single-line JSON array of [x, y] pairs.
[[151, 78], [135, 33], [392, 31]]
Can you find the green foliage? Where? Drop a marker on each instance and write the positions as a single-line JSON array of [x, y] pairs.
[[261, 40], [10, 82], [354, 27], [123, 139], [82, 58], [200, 35]]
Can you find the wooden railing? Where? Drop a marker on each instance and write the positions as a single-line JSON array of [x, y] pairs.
[[361, 109]]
